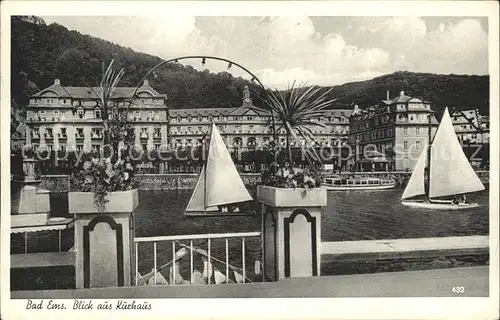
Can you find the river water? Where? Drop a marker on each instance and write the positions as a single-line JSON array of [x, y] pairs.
[[349, 215], [355, 215]]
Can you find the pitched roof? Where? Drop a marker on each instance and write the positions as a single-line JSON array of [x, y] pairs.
[[90, 92], [402, 98]]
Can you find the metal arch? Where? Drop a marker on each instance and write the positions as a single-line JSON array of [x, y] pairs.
[[203, 59]]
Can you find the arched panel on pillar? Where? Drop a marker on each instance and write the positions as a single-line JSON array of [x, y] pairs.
[[270, 250], [300, 241], [100, 229]]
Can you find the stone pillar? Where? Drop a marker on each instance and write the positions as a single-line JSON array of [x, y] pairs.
[[26, 197], [291, 231], [104, 241]]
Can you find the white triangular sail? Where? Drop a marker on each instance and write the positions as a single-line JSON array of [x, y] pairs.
[[219, 277], [197, 201], [223, 182], [450, 171], [178, 277], [160, 280], [238, 277], [197, 278], [415, 186]]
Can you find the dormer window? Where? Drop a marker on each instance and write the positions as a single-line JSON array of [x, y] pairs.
[[79, 113]]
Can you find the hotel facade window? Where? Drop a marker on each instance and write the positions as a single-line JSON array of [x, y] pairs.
[[157, 132], [79, 132]]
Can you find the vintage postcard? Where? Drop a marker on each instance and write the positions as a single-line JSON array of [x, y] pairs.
[[250, 159]]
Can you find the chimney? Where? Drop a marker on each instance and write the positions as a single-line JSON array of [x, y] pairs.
[[146, 83], [56, 81], [388, 95], [402, 93]]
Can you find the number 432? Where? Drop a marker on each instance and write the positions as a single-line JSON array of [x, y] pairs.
[[458, 289]]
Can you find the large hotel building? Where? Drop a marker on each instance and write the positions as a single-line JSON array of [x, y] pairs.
[[397, 128], [389, 136], [60, 118]]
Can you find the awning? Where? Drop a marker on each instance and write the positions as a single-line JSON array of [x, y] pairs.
[[56, 225], [375, 156]]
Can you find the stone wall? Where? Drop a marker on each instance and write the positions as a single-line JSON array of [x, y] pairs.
[[187, 181], [180, 181]]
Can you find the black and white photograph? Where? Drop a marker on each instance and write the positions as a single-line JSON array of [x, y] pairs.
[[252, 153]]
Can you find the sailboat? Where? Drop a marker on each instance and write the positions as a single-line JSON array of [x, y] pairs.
[[219, 189], [449, 173]]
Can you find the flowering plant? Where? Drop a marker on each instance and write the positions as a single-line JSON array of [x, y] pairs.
[[100, 175], [286, 176], [282, 174]]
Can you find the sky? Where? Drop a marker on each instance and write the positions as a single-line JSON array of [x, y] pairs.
[[314, 50]]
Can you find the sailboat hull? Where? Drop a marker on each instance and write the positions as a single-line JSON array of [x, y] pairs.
[[439, 205], [192, 214]]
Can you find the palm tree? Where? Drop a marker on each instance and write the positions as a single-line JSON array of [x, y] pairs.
[[294, 110]]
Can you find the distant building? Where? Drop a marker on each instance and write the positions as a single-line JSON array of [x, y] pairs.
[[398, 128], [69, 118], [60, 118], [484, 124], [243, 128], [470, 126]]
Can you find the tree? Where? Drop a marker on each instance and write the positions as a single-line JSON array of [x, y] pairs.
[[294, 110]]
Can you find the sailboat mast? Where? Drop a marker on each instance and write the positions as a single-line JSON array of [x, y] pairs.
[[427, 189], [205, 160]]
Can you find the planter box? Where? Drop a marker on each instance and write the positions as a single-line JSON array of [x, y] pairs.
[[289, 197], [118, 202]]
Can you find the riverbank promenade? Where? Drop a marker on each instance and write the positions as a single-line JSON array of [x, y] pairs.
[[427, 283]]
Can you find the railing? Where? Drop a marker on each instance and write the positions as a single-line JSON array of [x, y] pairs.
[[193, 249]]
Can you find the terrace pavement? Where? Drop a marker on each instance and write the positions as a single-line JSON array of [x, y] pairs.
[[426, 283]]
